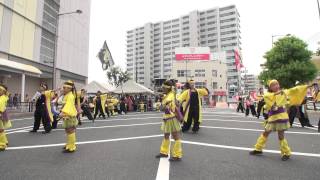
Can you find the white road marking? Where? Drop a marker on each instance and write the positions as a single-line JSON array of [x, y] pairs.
[[248, 149], [25, 127], [22, 119], [230, 120], [163, 172], [19, 131], [160, 135], [85, 142], [257, 130], [99, 127], [299, 125], [128, 119]]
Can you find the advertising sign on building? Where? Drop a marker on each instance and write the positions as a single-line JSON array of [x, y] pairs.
[[192, 53]]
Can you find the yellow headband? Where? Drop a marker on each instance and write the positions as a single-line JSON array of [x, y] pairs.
[[191, 81], [3, 88], [67, 86], [272, 81], [166, 86]]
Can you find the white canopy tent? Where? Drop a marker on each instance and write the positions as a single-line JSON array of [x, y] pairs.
[[131, 87], [93, 87]]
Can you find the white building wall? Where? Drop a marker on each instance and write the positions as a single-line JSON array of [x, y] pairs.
[[73, 41]]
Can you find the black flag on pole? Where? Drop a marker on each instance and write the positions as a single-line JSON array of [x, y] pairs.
[[105, 57]]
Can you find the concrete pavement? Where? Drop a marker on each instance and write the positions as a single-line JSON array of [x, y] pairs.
[[124, 147]]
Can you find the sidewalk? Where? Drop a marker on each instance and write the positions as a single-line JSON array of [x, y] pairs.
[[18, 115]]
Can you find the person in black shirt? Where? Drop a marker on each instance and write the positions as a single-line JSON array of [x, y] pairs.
[[240, 104], [100, 101], [192, 106], [43, 109]]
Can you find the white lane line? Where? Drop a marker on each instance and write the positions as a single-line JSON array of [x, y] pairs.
[[313, 128], [25, 127], [125, 125], [230, 120], [22, 119], [85, 142], [163, 172], [119, 120], [19, 131], [257, 130], [248, 149], [99, 127]]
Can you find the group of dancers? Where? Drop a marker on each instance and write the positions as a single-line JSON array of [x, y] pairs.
[[179, 113], [44, 112], [275, 104]]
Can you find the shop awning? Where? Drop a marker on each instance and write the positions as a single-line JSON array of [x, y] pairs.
[[15, 66]]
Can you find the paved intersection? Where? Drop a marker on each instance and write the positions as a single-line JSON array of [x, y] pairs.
[[124, 147]]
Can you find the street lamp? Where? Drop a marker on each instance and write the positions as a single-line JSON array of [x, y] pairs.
[[273, 36], [54, 79], [318, 8]]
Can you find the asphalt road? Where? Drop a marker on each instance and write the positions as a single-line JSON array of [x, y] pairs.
[[124, 147]]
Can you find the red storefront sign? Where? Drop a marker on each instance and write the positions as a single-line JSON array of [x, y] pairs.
[[192, 53]]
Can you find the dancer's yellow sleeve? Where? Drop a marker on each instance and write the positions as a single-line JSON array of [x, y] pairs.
[[296, 95], [3, 102], [183, 96], [202, 92]]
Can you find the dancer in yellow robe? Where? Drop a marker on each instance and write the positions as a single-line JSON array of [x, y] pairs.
[[69, 115], [277, 101], [191, 99], [4, 121]]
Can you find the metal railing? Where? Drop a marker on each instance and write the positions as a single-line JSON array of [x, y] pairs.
[[21, 107]]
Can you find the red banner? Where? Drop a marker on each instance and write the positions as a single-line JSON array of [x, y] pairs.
[[181, 57]]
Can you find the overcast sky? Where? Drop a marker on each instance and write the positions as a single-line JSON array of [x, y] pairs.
[[259, 20]]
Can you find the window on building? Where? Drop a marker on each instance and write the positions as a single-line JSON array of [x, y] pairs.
[[176, 25], [214, 85], [200, 73], [214, 73], [181, 73], [175, 31], [200, 84], [210, 23]]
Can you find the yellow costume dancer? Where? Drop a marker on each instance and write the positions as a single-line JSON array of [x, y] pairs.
[[111, 103], [170, 124], [4, 121], [141, 106], [69, 115], [158, 105], [278, 120]]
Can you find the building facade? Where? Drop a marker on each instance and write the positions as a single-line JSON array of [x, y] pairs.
[[151, 48], [251, 83], [28, 32], [210, 74]]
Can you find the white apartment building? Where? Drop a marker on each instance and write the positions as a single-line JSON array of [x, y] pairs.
[[251, 83], [151, 48]]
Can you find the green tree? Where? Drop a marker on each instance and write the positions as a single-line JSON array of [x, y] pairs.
[[318, 52], [117, 77], [289, 61]]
